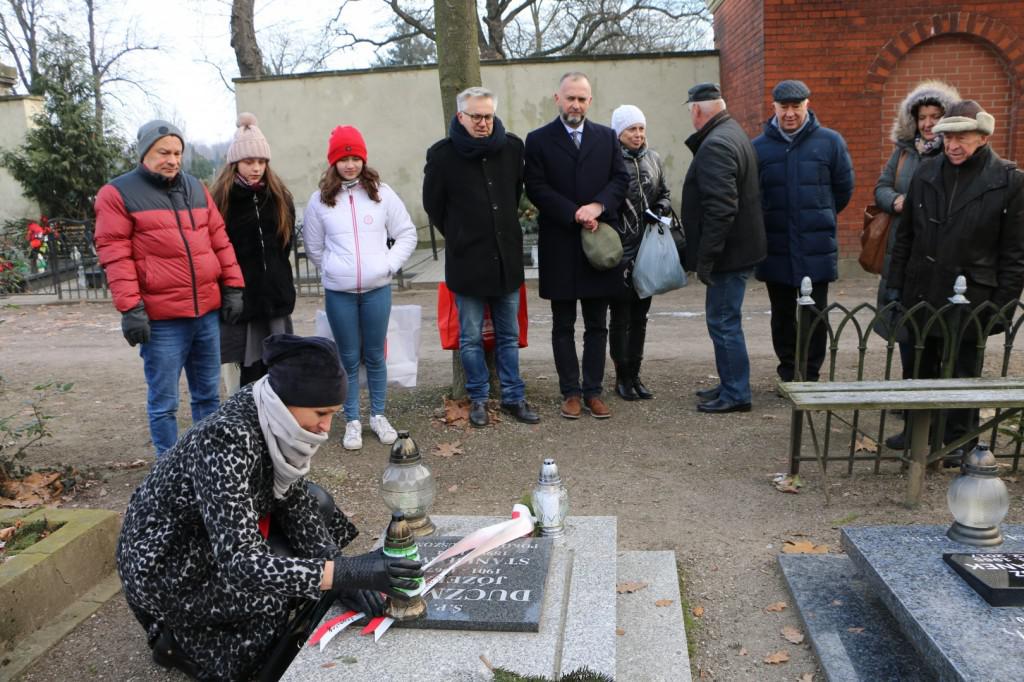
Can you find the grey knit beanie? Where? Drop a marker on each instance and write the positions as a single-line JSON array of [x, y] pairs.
[[150, 132], [249, 142]]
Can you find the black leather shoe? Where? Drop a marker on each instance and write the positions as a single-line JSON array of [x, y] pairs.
[[706, 394], [521, 412], [897, 441], [624, 389], [719, 406], [642, 391], [478, 414]]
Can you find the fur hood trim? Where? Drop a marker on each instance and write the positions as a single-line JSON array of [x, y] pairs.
[[904, 128]]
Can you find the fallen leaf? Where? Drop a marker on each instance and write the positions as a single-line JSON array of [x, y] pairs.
[[665, 602], [447, 450], [792, 635], [788, 484], [855, 631], [7, 533], [803, 547], [743, 651], [329, 665], [620, 632], [780, 656], [777, 606], [865, 444], [807, 677], [629, 587], [121, 466], [453, 488], [698, 611], [456, 412]]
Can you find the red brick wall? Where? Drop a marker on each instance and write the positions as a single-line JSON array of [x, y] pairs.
[[739, 39], [859, 57]]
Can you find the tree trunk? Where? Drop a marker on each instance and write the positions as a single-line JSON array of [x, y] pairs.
[[243, 39], [94, 65], [458, 67]]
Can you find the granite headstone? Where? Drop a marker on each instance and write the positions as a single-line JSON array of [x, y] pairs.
[[951, 626], [996, 576], [501, 590]]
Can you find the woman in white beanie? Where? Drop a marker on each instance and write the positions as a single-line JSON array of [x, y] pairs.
[[648, 190], [260, 217]]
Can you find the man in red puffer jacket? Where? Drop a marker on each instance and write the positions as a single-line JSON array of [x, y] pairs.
[[170, 268]]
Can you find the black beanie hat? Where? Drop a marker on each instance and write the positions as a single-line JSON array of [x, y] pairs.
[[305, 370]]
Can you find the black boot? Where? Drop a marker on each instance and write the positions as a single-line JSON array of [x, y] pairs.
[[166, 654], [641, 391], [624, 383]]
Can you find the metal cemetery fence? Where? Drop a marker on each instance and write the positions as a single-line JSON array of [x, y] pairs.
[[64, 265], [867, 355]]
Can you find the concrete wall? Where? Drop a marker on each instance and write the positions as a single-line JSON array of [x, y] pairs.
[[16, 114], [399, 112]]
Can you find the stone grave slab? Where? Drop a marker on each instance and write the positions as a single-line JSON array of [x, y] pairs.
[[853, 635], [950, 625], [576, 628], [997, 577], [502, 590]]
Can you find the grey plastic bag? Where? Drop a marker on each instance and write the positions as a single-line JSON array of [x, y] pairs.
[[657, 267]]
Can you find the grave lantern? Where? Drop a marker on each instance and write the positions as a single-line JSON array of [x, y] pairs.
[[399, 544], [978, 500], [550, 500], [407, 485]]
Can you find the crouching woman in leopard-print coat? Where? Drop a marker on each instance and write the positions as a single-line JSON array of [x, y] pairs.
[[197, 568]]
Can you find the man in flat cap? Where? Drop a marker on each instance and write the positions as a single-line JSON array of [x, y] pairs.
[[806, 180], [963, 215], [171, 268], [725, 232]]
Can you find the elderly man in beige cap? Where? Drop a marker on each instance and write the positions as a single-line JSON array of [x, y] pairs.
[[963, 215]]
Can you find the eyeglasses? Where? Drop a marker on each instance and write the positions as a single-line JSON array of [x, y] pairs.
[[477, 118]]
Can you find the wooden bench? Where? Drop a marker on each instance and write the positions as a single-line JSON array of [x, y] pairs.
[[919, 397]]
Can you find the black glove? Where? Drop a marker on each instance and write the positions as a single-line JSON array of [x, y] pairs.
[[135, 325], [375, 571], [892, 295], [231, 305], [704, 274], [368, 602]]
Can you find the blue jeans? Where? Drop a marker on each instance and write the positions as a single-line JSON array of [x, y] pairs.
[[359, 323], [192, 344], [723, 305], [505, 316]]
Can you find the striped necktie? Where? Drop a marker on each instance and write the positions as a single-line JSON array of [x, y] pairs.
[[576, 138]]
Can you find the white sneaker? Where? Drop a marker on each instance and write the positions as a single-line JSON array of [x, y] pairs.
[[353, 438], [380, 425]]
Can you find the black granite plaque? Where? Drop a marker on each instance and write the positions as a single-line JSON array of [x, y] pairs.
[[501, 590], [996, 576]]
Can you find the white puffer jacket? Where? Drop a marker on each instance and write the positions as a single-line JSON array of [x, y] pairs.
[[348, 241]]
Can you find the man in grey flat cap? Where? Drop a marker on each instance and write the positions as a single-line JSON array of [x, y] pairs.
[[721, 214], [171, 269], [806, 180], [963, 215]]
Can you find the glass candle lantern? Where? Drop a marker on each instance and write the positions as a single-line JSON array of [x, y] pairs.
[[978, 500], [550, 500], [407, 485]]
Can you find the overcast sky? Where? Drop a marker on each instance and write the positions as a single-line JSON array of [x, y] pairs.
[[182, 86]]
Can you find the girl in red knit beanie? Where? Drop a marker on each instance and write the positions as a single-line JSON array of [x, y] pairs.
[[348, 223]]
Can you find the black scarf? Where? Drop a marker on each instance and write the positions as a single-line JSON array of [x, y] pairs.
[[474, 147]]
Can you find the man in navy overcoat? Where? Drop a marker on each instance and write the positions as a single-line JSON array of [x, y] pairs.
[[576, 178]]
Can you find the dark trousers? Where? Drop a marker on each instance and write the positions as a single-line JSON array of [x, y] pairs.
[[627, 331], [563, 345], [960, 421], [783, 301]]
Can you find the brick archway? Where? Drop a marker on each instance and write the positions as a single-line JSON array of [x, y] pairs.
[[1003, 39]]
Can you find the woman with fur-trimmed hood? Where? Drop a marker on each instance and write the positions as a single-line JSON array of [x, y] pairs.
[[913, 140]]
